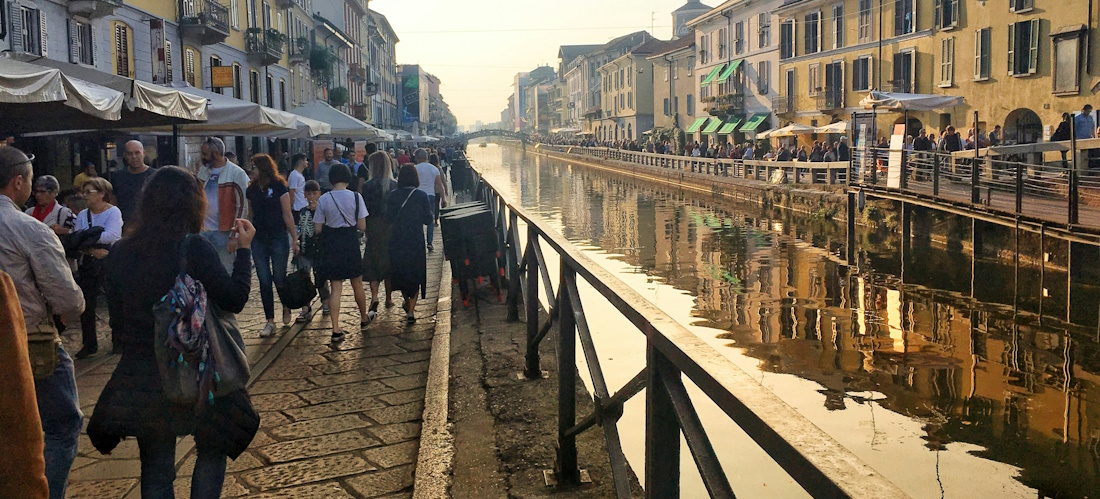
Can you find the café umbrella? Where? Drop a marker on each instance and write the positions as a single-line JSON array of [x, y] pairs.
[[39, 99]]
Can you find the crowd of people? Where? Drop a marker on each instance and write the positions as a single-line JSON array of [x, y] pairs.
[[360, 220], [760, 150]]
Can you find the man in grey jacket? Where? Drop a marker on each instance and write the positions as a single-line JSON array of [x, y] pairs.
[[36, 262]]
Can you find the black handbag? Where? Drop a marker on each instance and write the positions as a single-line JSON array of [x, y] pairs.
[[297, 290]]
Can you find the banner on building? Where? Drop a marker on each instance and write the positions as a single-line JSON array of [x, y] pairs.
[[156, 36], [221, 76], [410, 97]]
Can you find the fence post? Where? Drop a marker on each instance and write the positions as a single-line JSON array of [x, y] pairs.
[[514, 255], [935, 174], [568, 473], [531, 300], [975, 173], [1020, 188], [662, 431]]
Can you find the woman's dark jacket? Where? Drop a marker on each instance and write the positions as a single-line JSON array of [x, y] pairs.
[[133, 402], [408, 257]]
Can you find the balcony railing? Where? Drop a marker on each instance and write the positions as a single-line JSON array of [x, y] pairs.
[[359, 111], [726, 104], [357, 73], [205, 22], [830, 98], [901, 87], [783, 104], [284, 4], [266, 46], [299, 50]]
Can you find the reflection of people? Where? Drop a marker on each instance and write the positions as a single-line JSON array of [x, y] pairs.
[[22, 468]]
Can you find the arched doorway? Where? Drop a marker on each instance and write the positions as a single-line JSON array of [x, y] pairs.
[[1023, 126], [912, 128]]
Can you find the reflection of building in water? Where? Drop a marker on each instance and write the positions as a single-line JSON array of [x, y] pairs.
[[576, 210], [620, 218]]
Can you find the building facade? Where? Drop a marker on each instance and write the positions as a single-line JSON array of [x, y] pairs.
[[585, 81], [735, 69], [627, 94], [674, 85], [382, 42]]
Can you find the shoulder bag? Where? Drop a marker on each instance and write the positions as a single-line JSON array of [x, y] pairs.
[[199, 349]]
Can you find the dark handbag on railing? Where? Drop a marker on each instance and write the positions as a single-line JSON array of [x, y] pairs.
[[199, 350], [297, 290]]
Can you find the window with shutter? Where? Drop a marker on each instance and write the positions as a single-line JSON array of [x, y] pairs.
[[74, 41], [947, 62], [812, 33], [864, 21], [122, 49], [1011, 49], [1033, 48], [786, 39], [1066, 58]]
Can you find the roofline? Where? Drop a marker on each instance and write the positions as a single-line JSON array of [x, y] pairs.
[[731, 6], [677, 52], [386, 21], [343, 37]]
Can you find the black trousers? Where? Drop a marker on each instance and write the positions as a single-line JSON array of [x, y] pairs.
[[91, 275]]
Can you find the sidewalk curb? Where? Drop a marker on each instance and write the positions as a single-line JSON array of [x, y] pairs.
[[436, 456]]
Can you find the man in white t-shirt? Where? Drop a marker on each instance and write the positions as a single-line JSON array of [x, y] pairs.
[[430, 184], [296, 182], [224, 184]]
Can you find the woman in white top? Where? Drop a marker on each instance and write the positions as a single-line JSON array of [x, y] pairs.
[[341, 216], [46, 208], [98, 192]]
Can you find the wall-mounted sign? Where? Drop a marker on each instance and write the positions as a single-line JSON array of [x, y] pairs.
[[221, 76]]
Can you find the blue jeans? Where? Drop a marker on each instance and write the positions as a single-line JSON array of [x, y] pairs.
[[61, 422], [270, 253], [220, 240], [158, 469], [431, 226]]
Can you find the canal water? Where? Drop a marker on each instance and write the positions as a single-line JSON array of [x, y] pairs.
[[943, 394]]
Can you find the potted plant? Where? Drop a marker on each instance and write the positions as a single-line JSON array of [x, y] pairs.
[[338, 96]]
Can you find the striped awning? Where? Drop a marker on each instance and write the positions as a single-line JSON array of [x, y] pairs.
[[713, 125], [695, 125], [713, 74], [730, 70], [729, 127]]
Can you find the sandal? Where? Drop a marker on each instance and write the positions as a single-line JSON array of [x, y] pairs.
[[337, 336], [370, 318]]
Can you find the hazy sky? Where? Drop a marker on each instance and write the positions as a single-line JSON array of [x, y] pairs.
[[476, 46]]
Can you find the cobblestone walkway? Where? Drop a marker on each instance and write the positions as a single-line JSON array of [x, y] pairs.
[[336, 420]]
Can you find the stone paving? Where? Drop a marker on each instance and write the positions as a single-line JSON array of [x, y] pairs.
[[337, 420]]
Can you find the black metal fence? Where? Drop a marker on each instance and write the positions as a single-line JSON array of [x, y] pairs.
[[813, 459]]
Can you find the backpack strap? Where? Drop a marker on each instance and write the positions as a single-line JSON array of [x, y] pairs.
[[185, 244]]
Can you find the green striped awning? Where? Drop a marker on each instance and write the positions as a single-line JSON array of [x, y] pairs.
[[713, 125], [754, 123], [729, 70], [713, 74], [729, 127], [695, 125]]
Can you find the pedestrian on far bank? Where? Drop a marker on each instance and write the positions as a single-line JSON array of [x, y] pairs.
[[36, 263], [129, 182], [133, 404], [408, 210], [224, 184], [376, 257], [341, 216], [323, 169], [430, 184], [270, 206], [100, 212]]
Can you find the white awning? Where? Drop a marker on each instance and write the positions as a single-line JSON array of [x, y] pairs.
[[35, 98], [399, 134], [228, 116], [788, 131], [909, 102], [838, 127], [342, 124], [147, 104]]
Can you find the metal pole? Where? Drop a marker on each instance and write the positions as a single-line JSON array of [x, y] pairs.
[[568, 473], [975, 194], [514, 255], [531, 300], [903, 182], [1071, 216], [176, 146], [662, 432]]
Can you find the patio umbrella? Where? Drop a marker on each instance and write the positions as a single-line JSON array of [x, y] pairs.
[[229, 116], [36, 99], [790, 131], [343, 125], [838, 127]]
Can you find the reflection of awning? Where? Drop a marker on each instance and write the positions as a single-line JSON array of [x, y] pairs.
[[713, 125], [729, 70], [34, 99], [713, 74], [342, 124], [147, 104], [729, 127], [754, 122], [695, 125]]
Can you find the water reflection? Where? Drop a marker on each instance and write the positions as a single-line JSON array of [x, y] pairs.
[[969, 382]]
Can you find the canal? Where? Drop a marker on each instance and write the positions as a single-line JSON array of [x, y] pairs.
[[943, 394]]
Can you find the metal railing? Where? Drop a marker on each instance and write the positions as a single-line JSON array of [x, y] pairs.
[[814, 460], [726, 104], [830, 98], [783, 104], [796, 172], [268, 44], [205, 13], [1023, 185]]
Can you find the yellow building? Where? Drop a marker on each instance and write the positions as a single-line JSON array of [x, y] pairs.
[[1018, 65]]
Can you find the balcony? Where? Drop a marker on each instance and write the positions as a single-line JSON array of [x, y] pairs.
[[204, 22], [357, 73], [299, 50], [93, 9], [284, 4], [725, 105], [370, 88], [264, 46], [830, 98], [783, 104], [359, 111]]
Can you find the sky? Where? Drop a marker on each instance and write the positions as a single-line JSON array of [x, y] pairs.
[[476, 47]]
